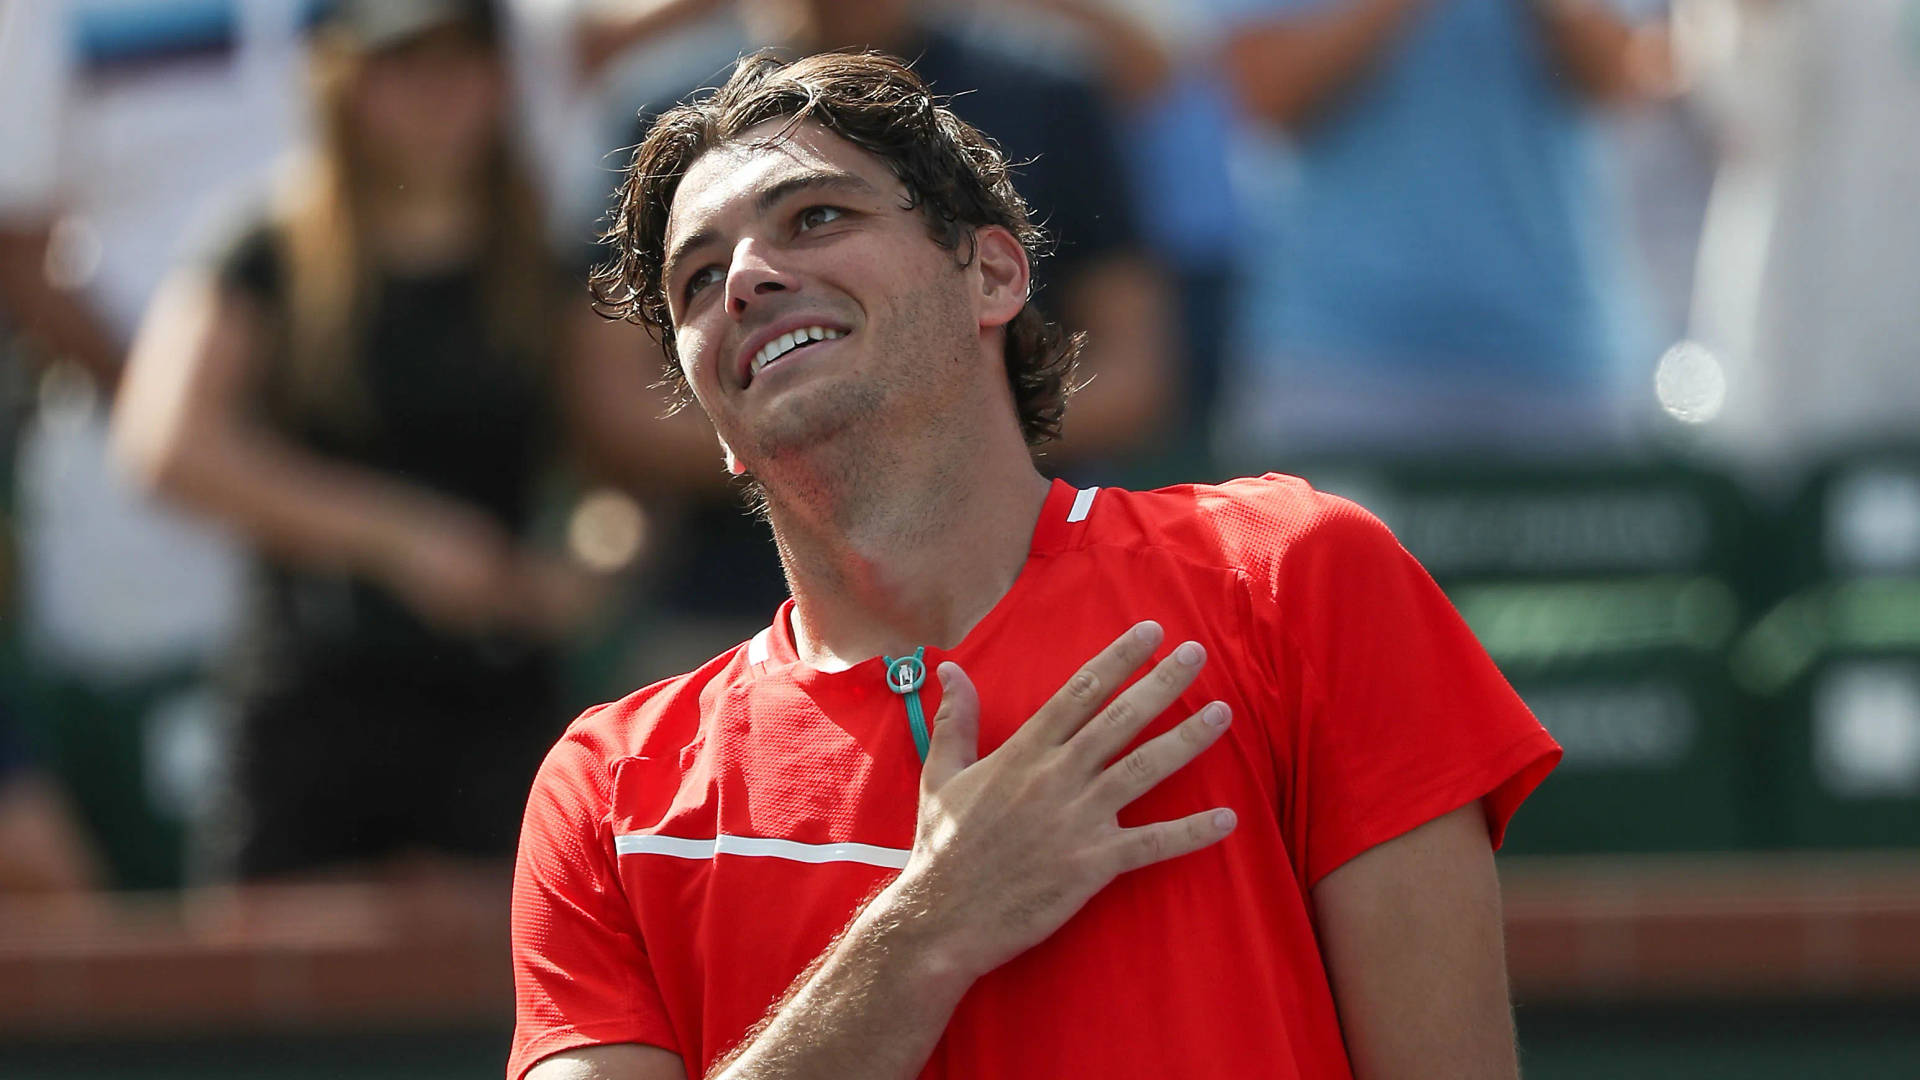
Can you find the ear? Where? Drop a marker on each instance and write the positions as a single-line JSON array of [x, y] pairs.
[[1001, 263], [734, 467]]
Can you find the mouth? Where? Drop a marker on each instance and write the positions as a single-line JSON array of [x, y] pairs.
[[786, 345]]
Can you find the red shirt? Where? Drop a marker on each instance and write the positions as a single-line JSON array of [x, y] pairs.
[[689, 849]]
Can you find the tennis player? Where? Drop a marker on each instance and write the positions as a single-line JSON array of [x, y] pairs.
[[1023, 780]]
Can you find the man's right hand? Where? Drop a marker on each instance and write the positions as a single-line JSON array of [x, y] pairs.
[[1010, 846]]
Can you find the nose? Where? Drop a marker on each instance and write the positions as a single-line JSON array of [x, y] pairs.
[[752, 274]]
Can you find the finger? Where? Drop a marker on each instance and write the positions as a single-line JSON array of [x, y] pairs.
[[1082, 695], [956, 729], [1160, 757], [1125, 716], [1148, 844]]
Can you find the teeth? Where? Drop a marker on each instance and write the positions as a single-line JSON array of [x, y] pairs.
[[785, 343]]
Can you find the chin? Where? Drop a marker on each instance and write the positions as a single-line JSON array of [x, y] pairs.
[[814, 418]]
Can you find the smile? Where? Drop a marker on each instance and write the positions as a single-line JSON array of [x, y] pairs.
[[789, 341]]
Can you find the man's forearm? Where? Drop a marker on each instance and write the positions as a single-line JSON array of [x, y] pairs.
[[872, 1007], [1286, 71], [1602, 55]]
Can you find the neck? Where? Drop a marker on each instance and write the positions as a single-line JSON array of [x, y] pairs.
[[887, 551]]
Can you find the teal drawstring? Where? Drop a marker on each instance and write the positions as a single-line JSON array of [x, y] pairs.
[[905, 676]]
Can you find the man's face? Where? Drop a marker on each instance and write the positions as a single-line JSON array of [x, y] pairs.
[[806, 297]]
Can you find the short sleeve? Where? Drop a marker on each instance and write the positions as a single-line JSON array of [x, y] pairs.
[[35, 80], [581, 976], [1402, 717]]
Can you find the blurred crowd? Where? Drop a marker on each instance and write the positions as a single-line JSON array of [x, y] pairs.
[[332, 498]]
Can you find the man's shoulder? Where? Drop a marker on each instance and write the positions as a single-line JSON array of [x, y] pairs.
[[661, 716], [1245, 522]]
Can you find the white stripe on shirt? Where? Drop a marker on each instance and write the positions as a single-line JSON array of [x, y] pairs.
[[758, 847]]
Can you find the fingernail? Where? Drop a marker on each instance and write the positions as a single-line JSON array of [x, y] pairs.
[[1223, 820], [1216, 714], [941, 672], [1189, 653], [1148, 631]]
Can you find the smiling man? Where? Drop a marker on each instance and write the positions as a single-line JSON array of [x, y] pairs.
[[1205, 782]]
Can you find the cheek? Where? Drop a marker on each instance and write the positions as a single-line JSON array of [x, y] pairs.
[[700, 369]]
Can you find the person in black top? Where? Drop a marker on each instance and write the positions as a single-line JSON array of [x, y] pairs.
[[369, 384]]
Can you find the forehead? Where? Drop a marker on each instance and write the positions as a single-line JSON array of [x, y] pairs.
[[760, 158]]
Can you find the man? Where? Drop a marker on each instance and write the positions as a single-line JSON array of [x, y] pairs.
[[1269, 855]]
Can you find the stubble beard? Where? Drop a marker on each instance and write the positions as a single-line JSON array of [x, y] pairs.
[[842, 446]]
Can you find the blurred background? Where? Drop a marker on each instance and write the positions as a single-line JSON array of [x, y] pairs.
[[331, 500]]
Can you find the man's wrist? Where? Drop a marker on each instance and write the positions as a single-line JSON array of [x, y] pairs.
[[928, 953]]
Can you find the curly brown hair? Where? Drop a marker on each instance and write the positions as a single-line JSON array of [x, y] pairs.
[[953, 173]]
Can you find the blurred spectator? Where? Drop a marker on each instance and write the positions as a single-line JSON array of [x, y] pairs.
[[1810, 260], [120, 120], [1443, 274], [1175, 114], [368, 384]]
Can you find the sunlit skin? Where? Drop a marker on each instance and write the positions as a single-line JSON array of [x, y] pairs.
[[871, 443], [836, 246]]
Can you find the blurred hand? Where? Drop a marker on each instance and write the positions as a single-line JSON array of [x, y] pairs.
[[454, 566], [556, 596]]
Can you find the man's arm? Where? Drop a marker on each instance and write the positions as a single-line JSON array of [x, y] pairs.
[[1289, 69], [1411, 933], [1135, 65], [1605, 57], [1006, 850]]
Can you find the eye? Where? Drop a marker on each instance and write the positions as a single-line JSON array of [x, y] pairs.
[[815, 216], [700, 279]]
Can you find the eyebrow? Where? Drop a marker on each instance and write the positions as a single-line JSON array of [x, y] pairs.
[[764, 202]]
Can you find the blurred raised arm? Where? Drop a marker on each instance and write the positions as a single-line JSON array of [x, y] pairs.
[[1606, 57], [1286, 70]]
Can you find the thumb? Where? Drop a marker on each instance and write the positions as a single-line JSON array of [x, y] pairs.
[[956, 729]]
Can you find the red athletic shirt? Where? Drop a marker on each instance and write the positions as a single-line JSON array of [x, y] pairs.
[[689, 849]]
